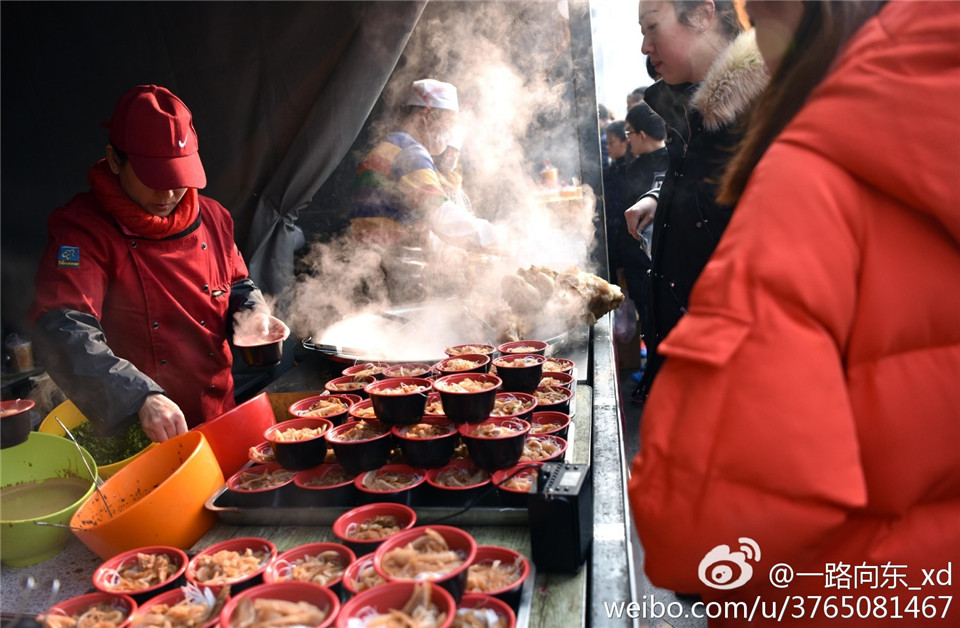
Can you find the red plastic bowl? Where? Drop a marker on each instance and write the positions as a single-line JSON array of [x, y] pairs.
[[239, 545], [399, 408], [363, 411], [488, 555], [482, 349], [79, 604], [351, 575], [105, 576], [520, 372], [558, 365], [261, 454], [538, 347], [335, 494], [459, 541], [368, 368], [430, 451], [473, 363], [433, 403], [349, 385], [302, 408], [565, 380], [557, 406], [299, 454], [467, 406], [382, 599], [15, 421], [486, 603], [540, 423], [456, 465], [542, 439], [406, 518], [170, 598], [495, 452], [280, 570], [409, 369], [511, 496], [290, 591], [233, 433], [400, 495], [525, 412], [259, 497], [357, 456]]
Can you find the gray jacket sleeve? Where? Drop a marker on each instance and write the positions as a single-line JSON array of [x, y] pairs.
[[107, 389]]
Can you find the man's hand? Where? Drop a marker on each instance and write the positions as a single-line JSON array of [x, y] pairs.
[[161, 418], [640, 215]]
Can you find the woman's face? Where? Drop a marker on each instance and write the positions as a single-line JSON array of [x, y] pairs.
[[616, 147], [680, 53], [776, 22], [155, 202]]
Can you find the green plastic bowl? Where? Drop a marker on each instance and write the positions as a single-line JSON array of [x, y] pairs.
[[42, 456]]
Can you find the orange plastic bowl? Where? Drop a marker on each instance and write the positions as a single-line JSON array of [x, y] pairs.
[[233, 433], [157, 499]]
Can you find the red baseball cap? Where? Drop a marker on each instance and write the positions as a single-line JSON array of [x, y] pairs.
[[155, 130]]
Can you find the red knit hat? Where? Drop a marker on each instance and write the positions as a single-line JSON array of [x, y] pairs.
[[155, 130]]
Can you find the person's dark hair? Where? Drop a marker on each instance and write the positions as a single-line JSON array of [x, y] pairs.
[[617, 128], [642, 118], [825, 27], [603, 113], [726, 12]]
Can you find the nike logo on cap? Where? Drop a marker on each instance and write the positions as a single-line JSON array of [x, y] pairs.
[[183, 142]]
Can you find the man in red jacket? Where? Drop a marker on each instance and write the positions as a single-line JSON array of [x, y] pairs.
[[140, 279]]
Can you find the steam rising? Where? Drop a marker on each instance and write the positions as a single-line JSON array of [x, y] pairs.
[[512, 67]]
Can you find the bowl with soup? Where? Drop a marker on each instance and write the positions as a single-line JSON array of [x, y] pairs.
[[435, 553], [15, 421], [364, 528], [520, 372], [334, 408], [261, 350], [43, 480], [468, 397]]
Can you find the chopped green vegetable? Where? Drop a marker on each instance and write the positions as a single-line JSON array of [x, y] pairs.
[[109, 449]]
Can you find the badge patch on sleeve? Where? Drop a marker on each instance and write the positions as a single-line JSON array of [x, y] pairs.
[[68, 257]]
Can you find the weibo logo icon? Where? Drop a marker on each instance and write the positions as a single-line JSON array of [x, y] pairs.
[[724, 569]]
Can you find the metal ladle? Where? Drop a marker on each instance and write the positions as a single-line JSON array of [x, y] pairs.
[[96, 479]]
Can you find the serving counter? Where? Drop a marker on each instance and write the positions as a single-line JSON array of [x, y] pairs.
[[556, 600]]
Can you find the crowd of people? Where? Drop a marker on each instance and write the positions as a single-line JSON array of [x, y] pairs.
[[800, 398]]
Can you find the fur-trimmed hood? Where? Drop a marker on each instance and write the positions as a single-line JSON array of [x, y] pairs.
[[732, 84]]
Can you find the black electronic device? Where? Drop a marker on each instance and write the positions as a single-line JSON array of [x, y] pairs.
[[561, 517]]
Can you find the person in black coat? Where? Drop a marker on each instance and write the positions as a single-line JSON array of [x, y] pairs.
[[703, 110]]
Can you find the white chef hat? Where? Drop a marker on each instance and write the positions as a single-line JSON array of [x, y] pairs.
[[433, 94]]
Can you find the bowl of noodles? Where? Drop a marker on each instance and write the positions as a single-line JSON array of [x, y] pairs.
[[550, 422], [322, 564], [514, 404], [466, 363], [516, 483], [361, 445], [399, 400], [328, 484], [142, 573], [260, 486], [458, 482], [476, 348], [476, 609], [558, 365], [299, 443], [409, 369], [543, 448], [363, 370], [498, 571], [538, 347], [556, 399], [349, 384], [237, 563], [434, 406], [428, 443], [519, 372], [360, 576], [436, 553], [425, 603], [183, 606], [468, 397], [334, 408], [496, 443], [363, 411], [287, 603], [364, 528], [556, 379], [91, 609], [390, 483]]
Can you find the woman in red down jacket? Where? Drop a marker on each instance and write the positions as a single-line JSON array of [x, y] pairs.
[[808, 412]]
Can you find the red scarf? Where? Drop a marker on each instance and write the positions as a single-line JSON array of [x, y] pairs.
[[106, 187]]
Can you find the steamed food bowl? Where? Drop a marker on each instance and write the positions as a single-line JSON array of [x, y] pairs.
[[142, 573], [299, 443], [15, 421], [454, 549], [35, 489], [263, 350], [239, 611], [520, 372], [495, 443], [158, 499], [468, 397], [399, 400], [123, 606]]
